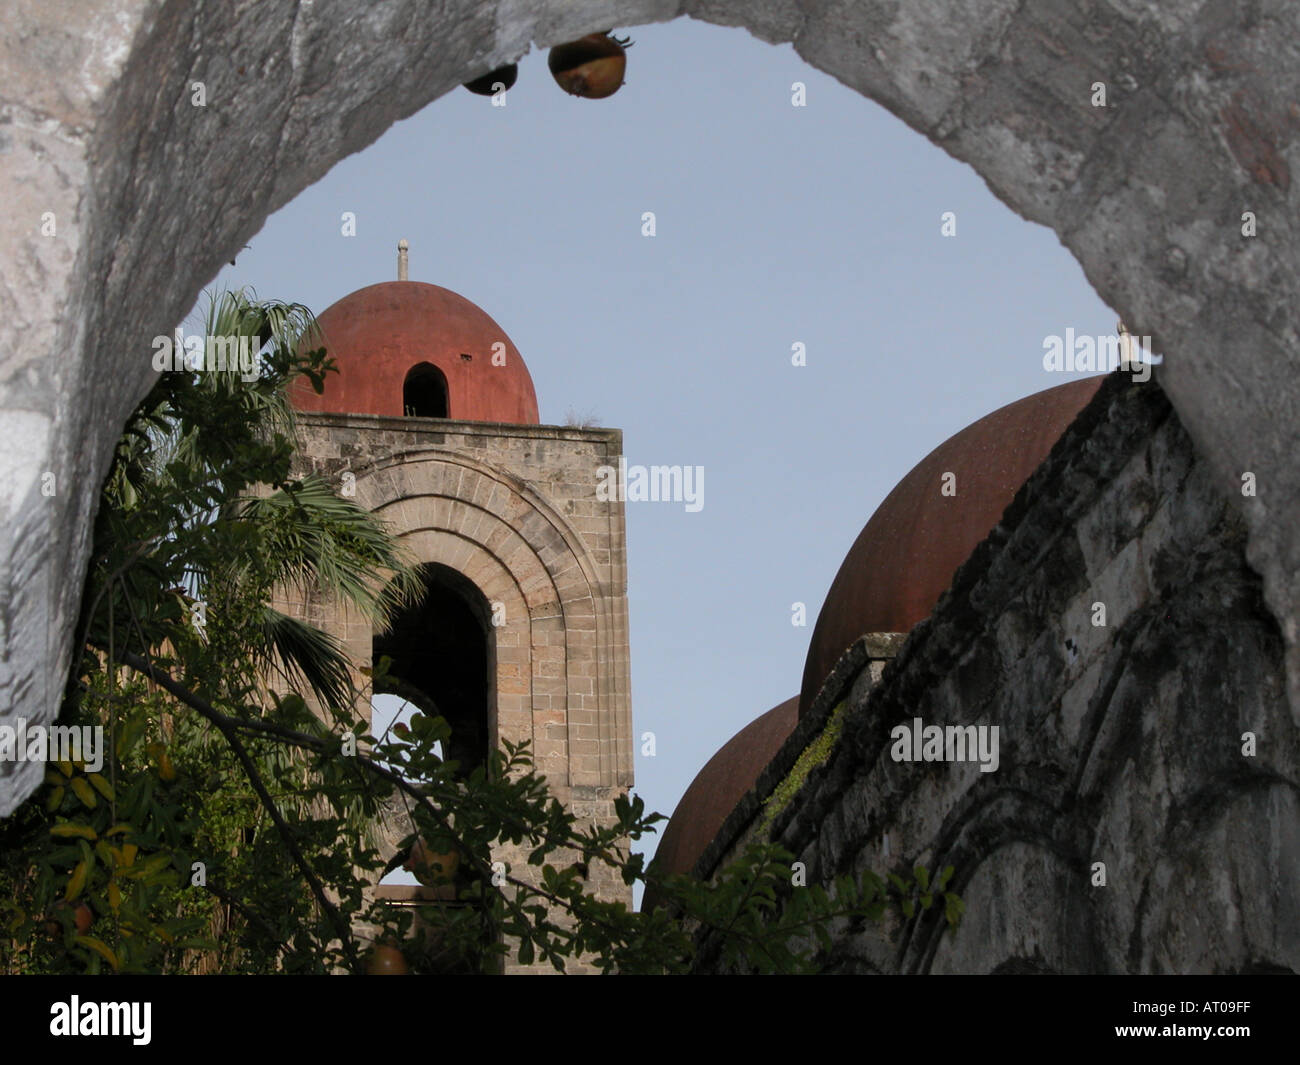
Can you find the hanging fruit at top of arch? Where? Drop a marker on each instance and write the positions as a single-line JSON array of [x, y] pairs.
[[487, 85], [592, 66]]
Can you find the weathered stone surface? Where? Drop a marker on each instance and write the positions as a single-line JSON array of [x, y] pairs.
[[492, 502], [1120, 744], [97, 128]]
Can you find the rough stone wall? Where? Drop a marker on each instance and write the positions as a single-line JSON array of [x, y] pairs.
[[858, 670], [514, 509], [99, 136], [1120, 744]]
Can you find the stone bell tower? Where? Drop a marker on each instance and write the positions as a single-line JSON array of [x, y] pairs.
[[432, 423]]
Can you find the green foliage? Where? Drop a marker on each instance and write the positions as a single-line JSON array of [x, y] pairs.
[[915, 894], [232, 830], [113, 845], [754, 919]]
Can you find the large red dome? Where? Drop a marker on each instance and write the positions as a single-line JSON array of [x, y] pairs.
[[723, 782], [385, 335], [906, 555]]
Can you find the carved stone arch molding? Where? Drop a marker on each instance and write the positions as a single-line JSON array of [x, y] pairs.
[[553, 687], [102, 135]]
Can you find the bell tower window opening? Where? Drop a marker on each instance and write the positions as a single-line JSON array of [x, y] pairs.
[[443, 662], [424, 393]]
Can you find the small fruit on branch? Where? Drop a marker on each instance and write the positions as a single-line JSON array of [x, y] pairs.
[[592, 66], [386, 960], [487, 84]]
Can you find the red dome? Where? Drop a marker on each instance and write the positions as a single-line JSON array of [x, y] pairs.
[[723, 782], [378, 335], [907, 554]]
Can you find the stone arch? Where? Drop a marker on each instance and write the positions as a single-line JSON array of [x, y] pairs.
[[442, 651], [557, 630], [1150, 192]]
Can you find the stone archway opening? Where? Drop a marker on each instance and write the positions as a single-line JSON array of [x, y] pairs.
[[1174, 193], [443, 662]]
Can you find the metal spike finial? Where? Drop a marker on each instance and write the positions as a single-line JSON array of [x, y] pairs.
[[1125, 344]]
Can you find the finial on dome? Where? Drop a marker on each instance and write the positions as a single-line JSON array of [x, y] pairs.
[[402, 247], [1126, 357]]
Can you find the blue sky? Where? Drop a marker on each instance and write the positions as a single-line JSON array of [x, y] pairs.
[[774, 225]]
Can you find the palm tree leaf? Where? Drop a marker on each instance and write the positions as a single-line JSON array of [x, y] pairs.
[[318, 541], [304, 654]]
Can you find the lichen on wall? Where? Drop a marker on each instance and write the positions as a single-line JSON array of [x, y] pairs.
[[815, 754]]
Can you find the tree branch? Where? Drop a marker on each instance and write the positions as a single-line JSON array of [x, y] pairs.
[[228, 726], [225, 725]]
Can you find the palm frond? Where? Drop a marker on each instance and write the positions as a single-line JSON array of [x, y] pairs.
[[317, 541], [303, 654]]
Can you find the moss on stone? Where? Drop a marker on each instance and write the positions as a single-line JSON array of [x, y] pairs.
[[818, 750]]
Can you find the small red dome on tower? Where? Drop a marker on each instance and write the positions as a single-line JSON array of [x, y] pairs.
[[905, 557], [406, 347]]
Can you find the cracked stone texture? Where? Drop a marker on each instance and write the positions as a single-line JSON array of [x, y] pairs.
[[1119, 744], [97, 128]]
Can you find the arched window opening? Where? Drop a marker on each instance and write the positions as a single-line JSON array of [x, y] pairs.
[[441, 662], [424, 393]]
